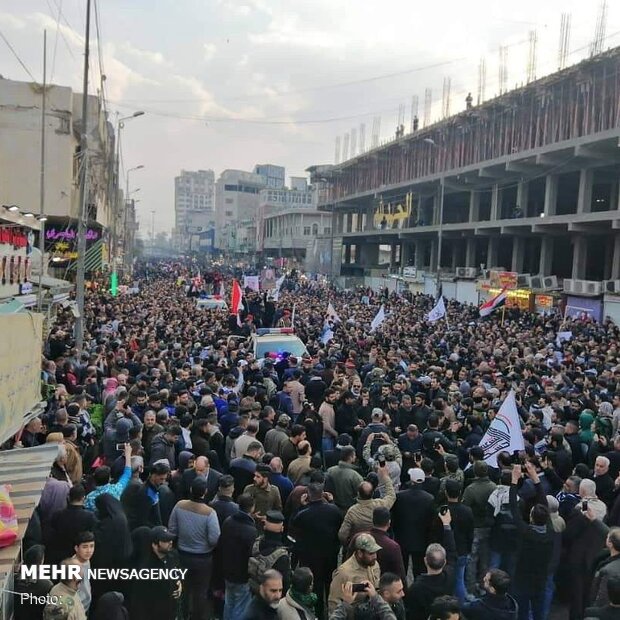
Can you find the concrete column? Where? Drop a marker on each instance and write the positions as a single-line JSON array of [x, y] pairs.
[[615, 261], [420, 251], [434, 247], [349, 222], [523, 193], [580, 257], [455, 256], [392, 255], [496, 202], [518, 254], [470, 252], [405, 254], [436, 201], [368, 225], [551, 194], [492, 252], [474, 205], [347, 254], [609, 257], [546, 256], [584, 197], [369, 255]]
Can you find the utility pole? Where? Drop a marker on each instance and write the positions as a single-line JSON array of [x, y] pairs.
[[42, 179], [83, 204]]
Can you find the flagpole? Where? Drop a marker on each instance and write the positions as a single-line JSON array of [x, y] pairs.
[[503, 313]]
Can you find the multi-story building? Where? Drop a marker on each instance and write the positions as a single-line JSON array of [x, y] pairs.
[[288, 220], [527, 182], [274, 175], [20, 161], [194, 205], [236, 205]]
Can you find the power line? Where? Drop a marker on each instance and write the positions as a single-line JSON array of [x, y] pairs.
[[19, 60]]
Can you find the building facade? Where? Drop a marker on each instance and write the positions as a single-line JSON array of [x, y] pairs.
[[274, 175], [236, 204], [194, 205], [527, 182]]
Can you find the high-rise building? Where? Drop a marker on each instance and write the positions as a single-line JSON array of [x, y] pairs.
[[274, 175], [194, 204]]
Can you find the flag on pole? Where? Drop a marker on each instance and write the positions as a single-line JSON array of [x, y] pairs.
[[379, 318], [235, 302], [438, 312], [496, 302], [331, 313], [276, 291], [504, 433]]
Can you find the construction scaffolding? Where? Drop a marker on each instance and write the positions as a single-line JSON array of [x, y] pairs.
[[579, 101]]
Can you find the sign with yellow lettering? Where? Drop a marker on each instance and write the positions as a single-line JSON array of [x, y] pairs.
[[390, 215]]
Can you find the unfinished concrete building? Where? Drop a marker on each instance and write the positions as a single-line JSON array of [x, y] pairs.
[[526, 182]]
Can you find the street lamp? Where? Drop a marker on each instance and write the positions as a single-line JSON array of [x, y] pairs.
[[432, 143]]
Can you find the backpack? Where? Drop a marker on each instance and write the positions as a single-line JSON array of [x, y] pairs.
[[259, 563]]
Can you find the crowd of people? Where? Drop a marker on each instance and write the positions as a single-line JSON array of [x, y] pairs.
[[347, 482]]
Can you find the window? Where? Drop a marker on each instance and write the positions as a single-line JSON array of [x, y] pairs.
[[229, 201], [229, 213], [315, 229], [231, 188], [327, 231]]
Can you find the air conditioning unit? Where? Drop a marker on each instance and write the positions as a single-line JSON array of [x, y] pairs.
[[550, 282], [611, 286], [460, 272], [523, 280], [468, 273], [583, 287], [536, 283]]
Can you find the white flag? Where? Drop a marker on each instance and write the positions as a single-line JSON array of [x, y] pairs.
[[438, 312], [504, 433], [327, 335], [276, 291], [563, 337], [331, 313], [379, 318]]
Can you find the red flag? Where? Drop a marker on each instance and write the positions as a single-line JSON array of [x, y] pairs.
[[235, 302]]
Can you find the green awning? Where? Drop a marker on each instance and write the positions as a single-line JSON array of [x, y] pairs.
[[11, 306]]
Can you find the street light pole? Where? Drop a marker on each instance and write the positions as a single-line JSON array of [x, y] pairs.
[[81, 259]]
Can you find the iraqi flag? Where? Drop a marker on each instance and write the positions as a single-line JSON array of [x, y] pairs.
[[488, 306], [236, 304]]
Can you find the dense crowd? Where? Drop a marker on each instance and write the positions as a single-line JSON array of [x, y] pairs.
[[344, 483]]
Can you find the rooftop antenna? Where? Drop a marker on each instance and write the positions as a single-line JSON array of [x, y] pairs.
[[376, 131], [428, 101], [362, 134], [337, 153], [564, 40], [596, 47], [531, 56], [345, 147], [445, 97], [414, 113], [503, 69], [482, 80], [353, 142]]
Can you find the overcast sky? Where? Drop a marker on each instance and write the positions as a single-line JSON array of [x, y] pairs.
[[232, 83]]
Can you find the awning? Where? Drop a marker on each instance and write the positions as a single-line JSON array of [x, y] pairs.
[[56, 284], [11, 306], [26, 470]]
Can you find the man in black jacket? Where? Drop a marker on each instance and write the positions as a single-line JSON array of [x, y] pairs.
[[141, 503], [236, 541], [438, 580], [536, 550], [223, 503], [496, 604], [265, 604], [412, 518], [315, 529], [67, 524]]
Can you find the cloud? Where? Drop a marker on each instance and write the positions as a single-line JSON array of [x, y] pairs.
[[156, 58], [209, 51]]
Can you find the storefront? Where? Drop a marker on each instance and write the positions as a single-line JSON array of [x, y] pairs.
[[547, 304], [521, 298]]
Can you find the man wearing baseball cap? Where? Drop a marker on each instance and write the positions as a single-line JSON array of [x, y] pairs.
[[361, 567], [157, 599]]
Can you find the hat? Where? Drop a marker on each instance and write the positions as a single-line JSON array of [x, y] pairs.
[[416, 475], [274, 516], [161, 534], [349, 364], [284, 420], [377, 412], [365, 542]]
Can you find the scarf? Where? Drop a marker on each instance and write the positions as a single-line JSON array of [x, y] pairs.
[[308, 601], [498, 498]]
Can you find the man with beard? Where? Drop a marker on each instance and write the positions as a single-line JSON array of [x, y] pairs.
[[157, 599], [265, 604]]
